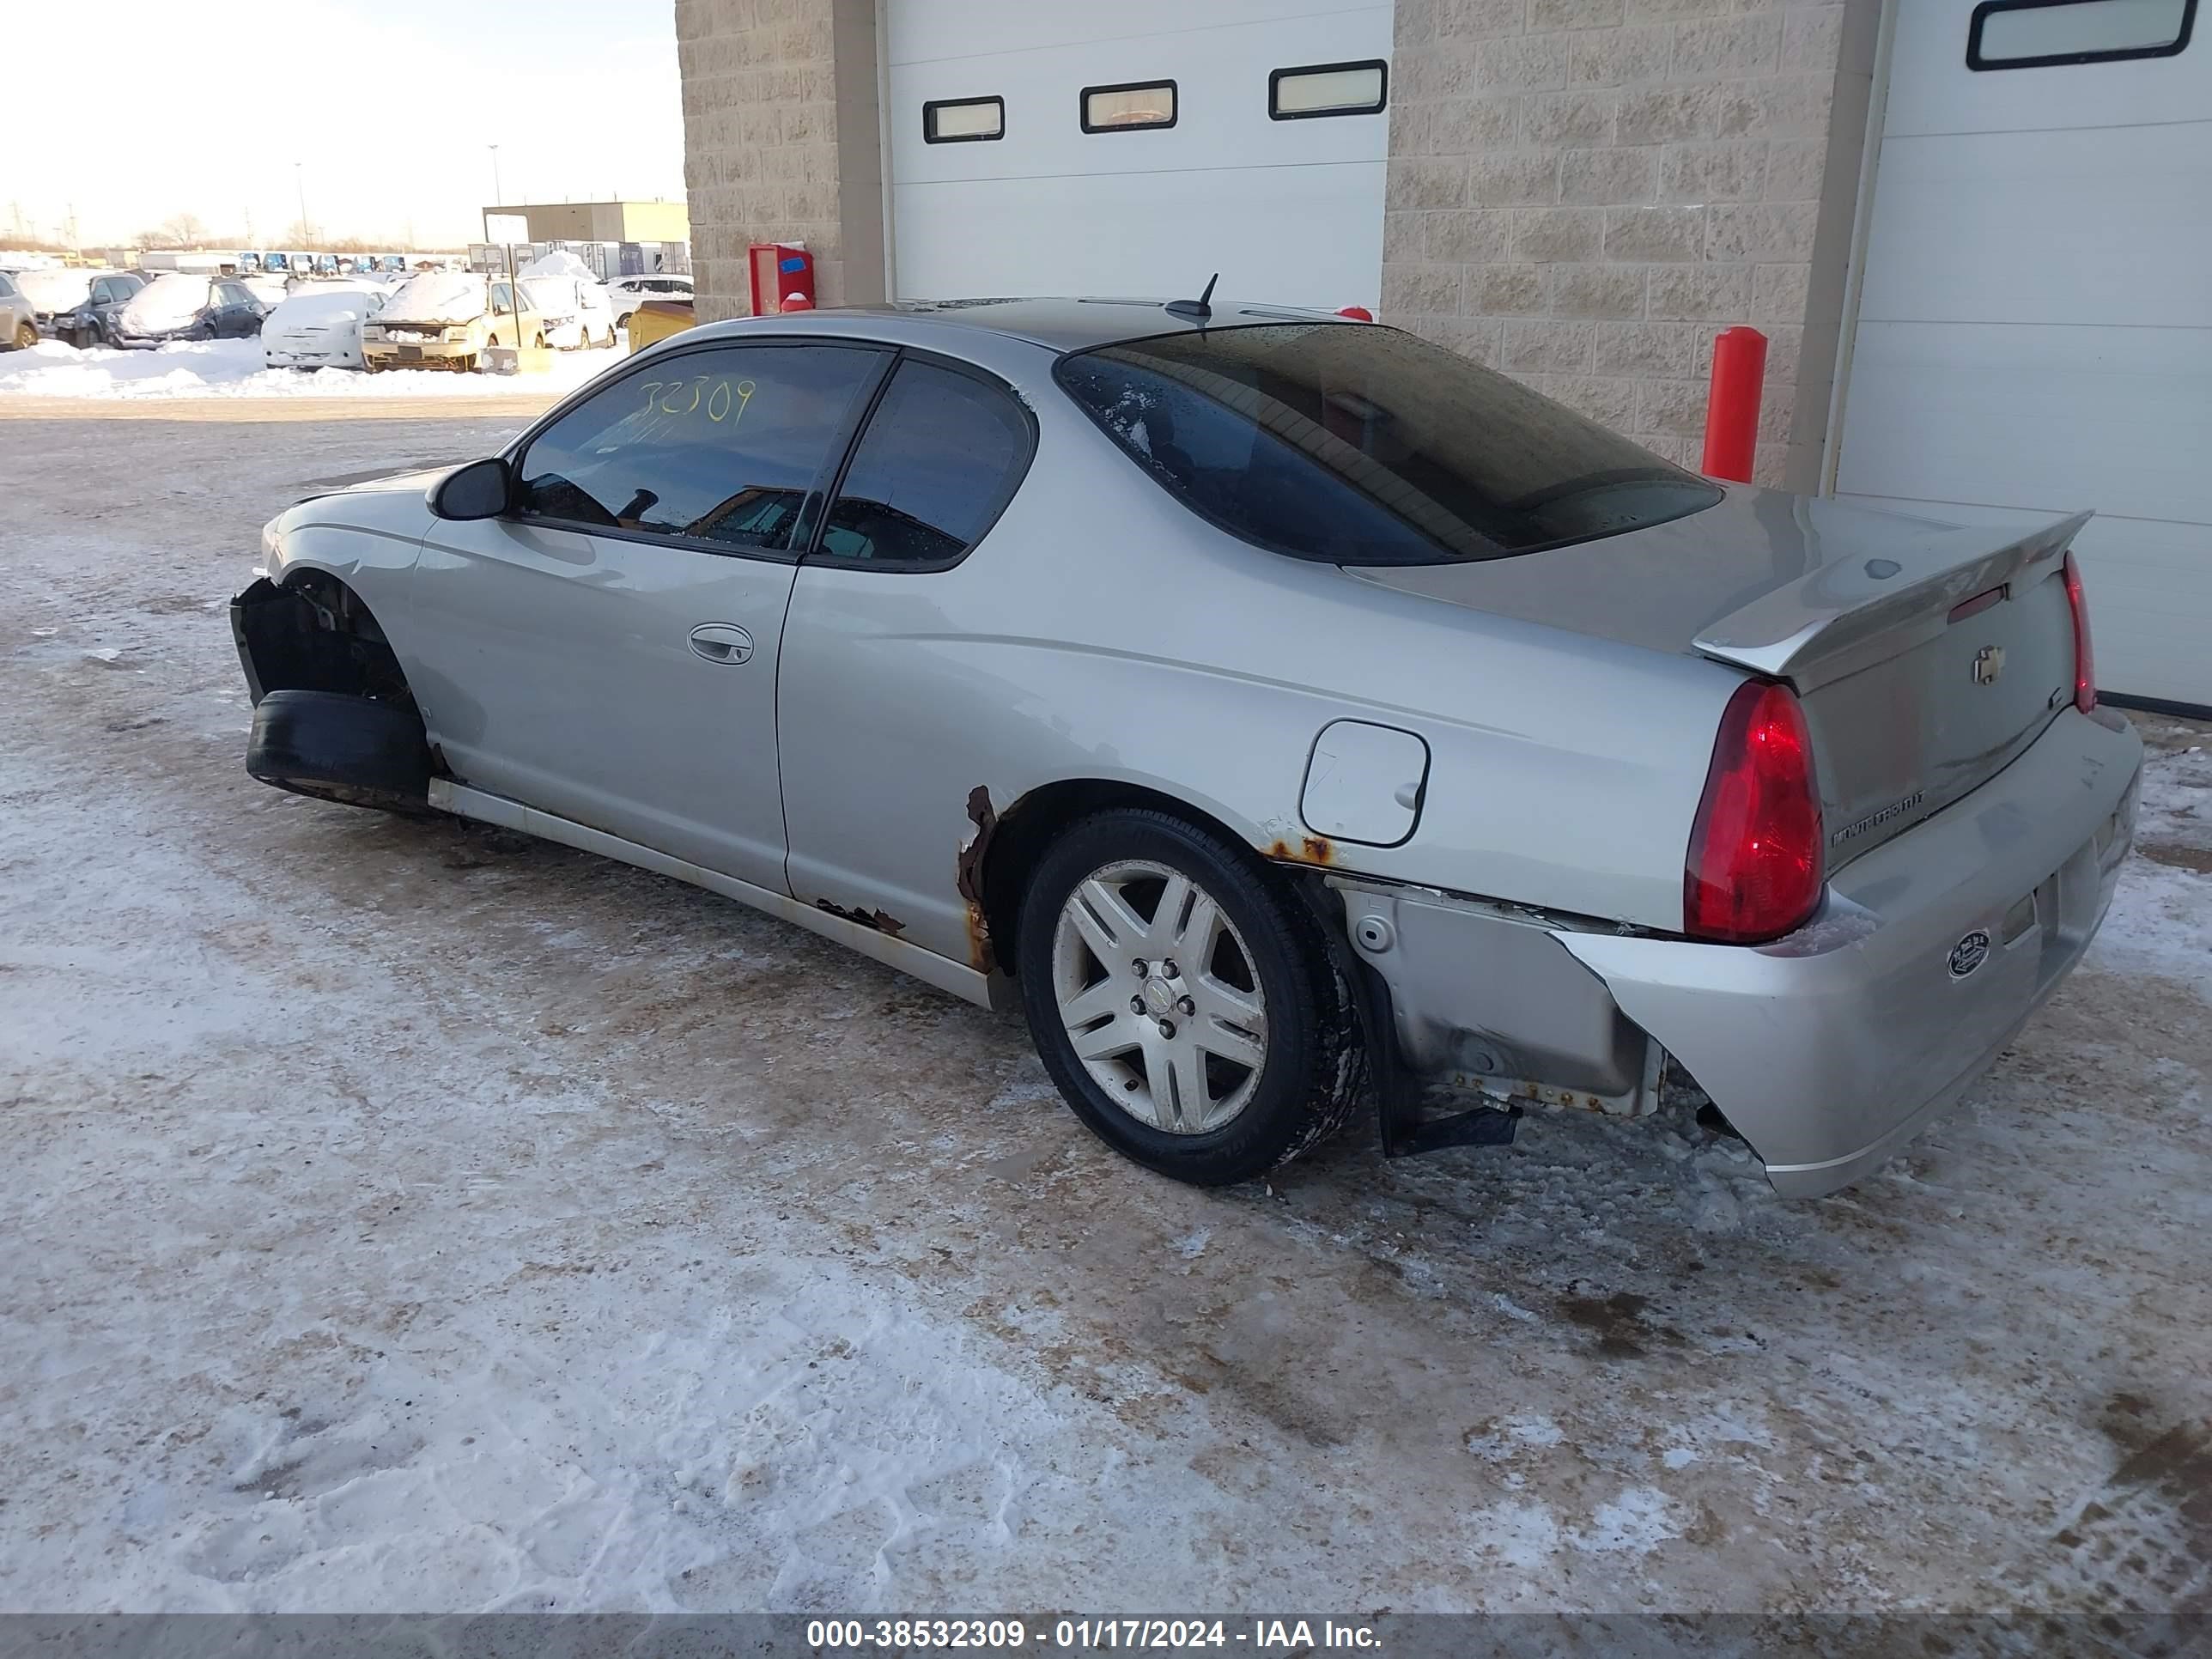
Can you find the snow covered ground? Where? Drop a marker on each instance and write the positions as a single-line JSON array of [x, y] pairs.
[[233, 368], [406, 1216]]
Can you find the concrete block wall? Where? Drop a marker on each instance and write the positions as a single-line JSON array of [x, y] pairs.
[[1583, 192], [780, 143]]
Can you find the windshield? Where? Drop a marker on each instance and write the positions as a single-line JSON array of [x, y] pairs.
[[1355, 444]]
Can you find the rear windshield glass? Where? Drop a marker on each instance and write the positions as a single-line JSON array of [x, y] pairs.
[[1355, 444]]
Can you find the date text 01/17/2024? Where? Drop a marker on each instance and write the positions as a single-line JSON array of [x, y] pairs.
[[1088, 1635]]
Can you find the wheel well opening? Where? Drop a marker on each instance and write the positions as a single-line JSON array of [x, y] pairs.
[[314, 634], [1024, 831]]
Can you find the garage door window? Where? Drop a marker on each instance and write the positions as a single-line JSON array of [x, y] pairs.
[[943, 455], [2045, 33], [963, 120], [722, 447], [1133, 106], [1322, 89]]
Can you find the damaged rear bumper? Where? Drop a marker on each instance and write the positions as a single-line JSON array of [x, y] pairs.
[[1830, 1048]]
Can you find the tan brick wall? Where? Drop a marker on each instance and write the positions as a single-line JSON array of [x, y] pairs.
[[779, 142], [1583, 192]]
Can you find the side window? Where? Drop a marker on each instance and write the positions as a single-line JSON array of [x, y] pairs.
[[723, 446], [941, 458]]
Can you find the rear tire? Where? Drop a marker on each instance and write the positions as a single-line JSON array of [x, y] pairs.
[[1263, 981], [332, 746], [26, 337]]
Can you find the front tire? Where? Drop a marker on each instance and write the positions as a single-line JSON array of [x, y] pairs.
[[1235, 1049], [332, 746], [26, 337]]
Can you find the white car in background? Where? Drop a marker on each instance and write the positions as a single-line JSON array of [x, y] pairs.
[[575, 310], [269, 290], [319, 327], [626, 293]]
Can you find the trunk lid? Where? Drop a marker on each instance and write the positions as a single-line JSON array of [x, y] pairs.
[[1921, 684], [1927, 655]]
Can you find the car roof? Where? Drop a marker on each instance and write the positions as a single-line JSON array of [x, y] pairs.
[[1058, 325]]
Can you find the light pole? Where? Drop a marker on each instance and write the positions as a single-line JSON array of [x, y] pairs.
[[498, 196], [300, 177]]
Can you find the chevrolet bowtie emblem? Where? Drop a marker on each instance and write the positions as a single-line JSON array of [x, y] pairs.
[[1989, 663]]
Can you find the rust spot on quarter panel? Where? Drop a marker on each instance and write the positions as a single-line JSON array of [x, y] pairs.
[[882, 921], [1310, 849], [967, 878]]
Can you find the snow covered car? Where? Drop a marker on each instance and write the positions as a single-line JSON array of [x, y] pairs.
[[319, 327], [182, 306], [55, 291], [626, 293], [575, 309], [91, 321], [446, 319], [1270, 704], [18, 322]]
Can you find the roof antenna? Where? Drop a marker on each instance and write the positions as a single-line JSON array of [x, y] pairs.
[[1198, 308]]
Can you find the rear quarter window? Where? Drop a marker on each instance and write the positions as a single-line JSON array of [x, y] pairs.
[[1354, 444]]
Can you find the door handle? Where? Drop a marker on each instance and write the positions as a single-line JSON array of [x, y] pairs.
[[722, 643]]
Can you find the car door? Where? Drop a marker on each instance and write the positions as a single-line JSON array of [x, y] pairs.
[[607, 651], [871, 680]]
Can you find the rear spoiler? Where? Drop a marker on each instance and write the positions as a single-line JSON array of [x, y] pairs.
[[1852, 612]]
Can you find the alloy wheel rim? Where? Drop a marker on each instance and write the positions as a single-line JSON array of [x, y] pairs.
[[1160, 997]]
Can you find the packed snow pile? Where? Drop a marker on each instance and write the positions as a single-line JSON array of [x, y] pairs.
[[559, 262], [171, 301], [233, 368], [439, 296]]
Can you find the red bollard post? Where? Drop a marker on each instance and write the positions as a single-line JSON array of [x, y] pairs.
[[1732, 406]]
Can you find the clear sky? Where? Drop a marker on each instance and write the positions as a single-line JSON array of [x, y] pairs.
[[387, 107]]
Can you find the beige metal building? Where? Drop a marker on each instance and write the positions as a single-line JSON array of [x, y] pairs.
[[604, 222], [1975, 231]]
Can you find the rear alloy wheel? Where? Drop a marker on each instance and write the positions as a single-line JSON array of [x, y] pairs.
[[1189, 1011], [26, 337]]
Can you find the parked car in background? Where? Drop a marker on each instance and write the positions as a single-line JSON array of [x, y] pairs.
[[18, 326], [575, 310], [448, 320], [182, 306], [655, 320], [92, 322], [54, 291], [319, 327], [626, 293], [1265, 702], [269, 290]]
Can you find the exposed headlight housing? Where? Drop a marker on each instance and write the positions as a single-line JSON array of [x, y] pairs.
[[455, 335]]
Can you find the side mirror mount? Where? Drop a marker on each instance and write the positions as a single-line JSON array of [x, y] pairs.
[[482, 489]]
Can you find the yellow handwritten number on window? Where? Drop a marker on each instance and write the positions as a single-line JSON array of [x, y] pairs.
[[724, 400]]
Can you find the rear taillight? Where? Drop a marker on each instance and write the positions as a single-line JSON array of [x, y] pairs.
[[2085, 659], [1756, 864]]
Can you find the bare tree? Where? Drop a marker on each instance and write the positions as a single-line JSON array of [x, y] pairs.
[[180, 230]]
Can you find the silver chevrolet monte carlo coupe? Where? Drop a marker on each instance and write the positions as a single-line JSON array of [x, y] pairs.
[[1291, 714]]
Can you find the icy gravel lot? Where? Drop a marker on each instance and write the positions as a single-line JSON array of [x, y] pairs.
[[405, 1216]]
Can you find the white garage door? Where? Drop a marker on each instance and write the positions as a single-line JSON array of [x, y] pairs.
[[2035, 326], [1198, 157]]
